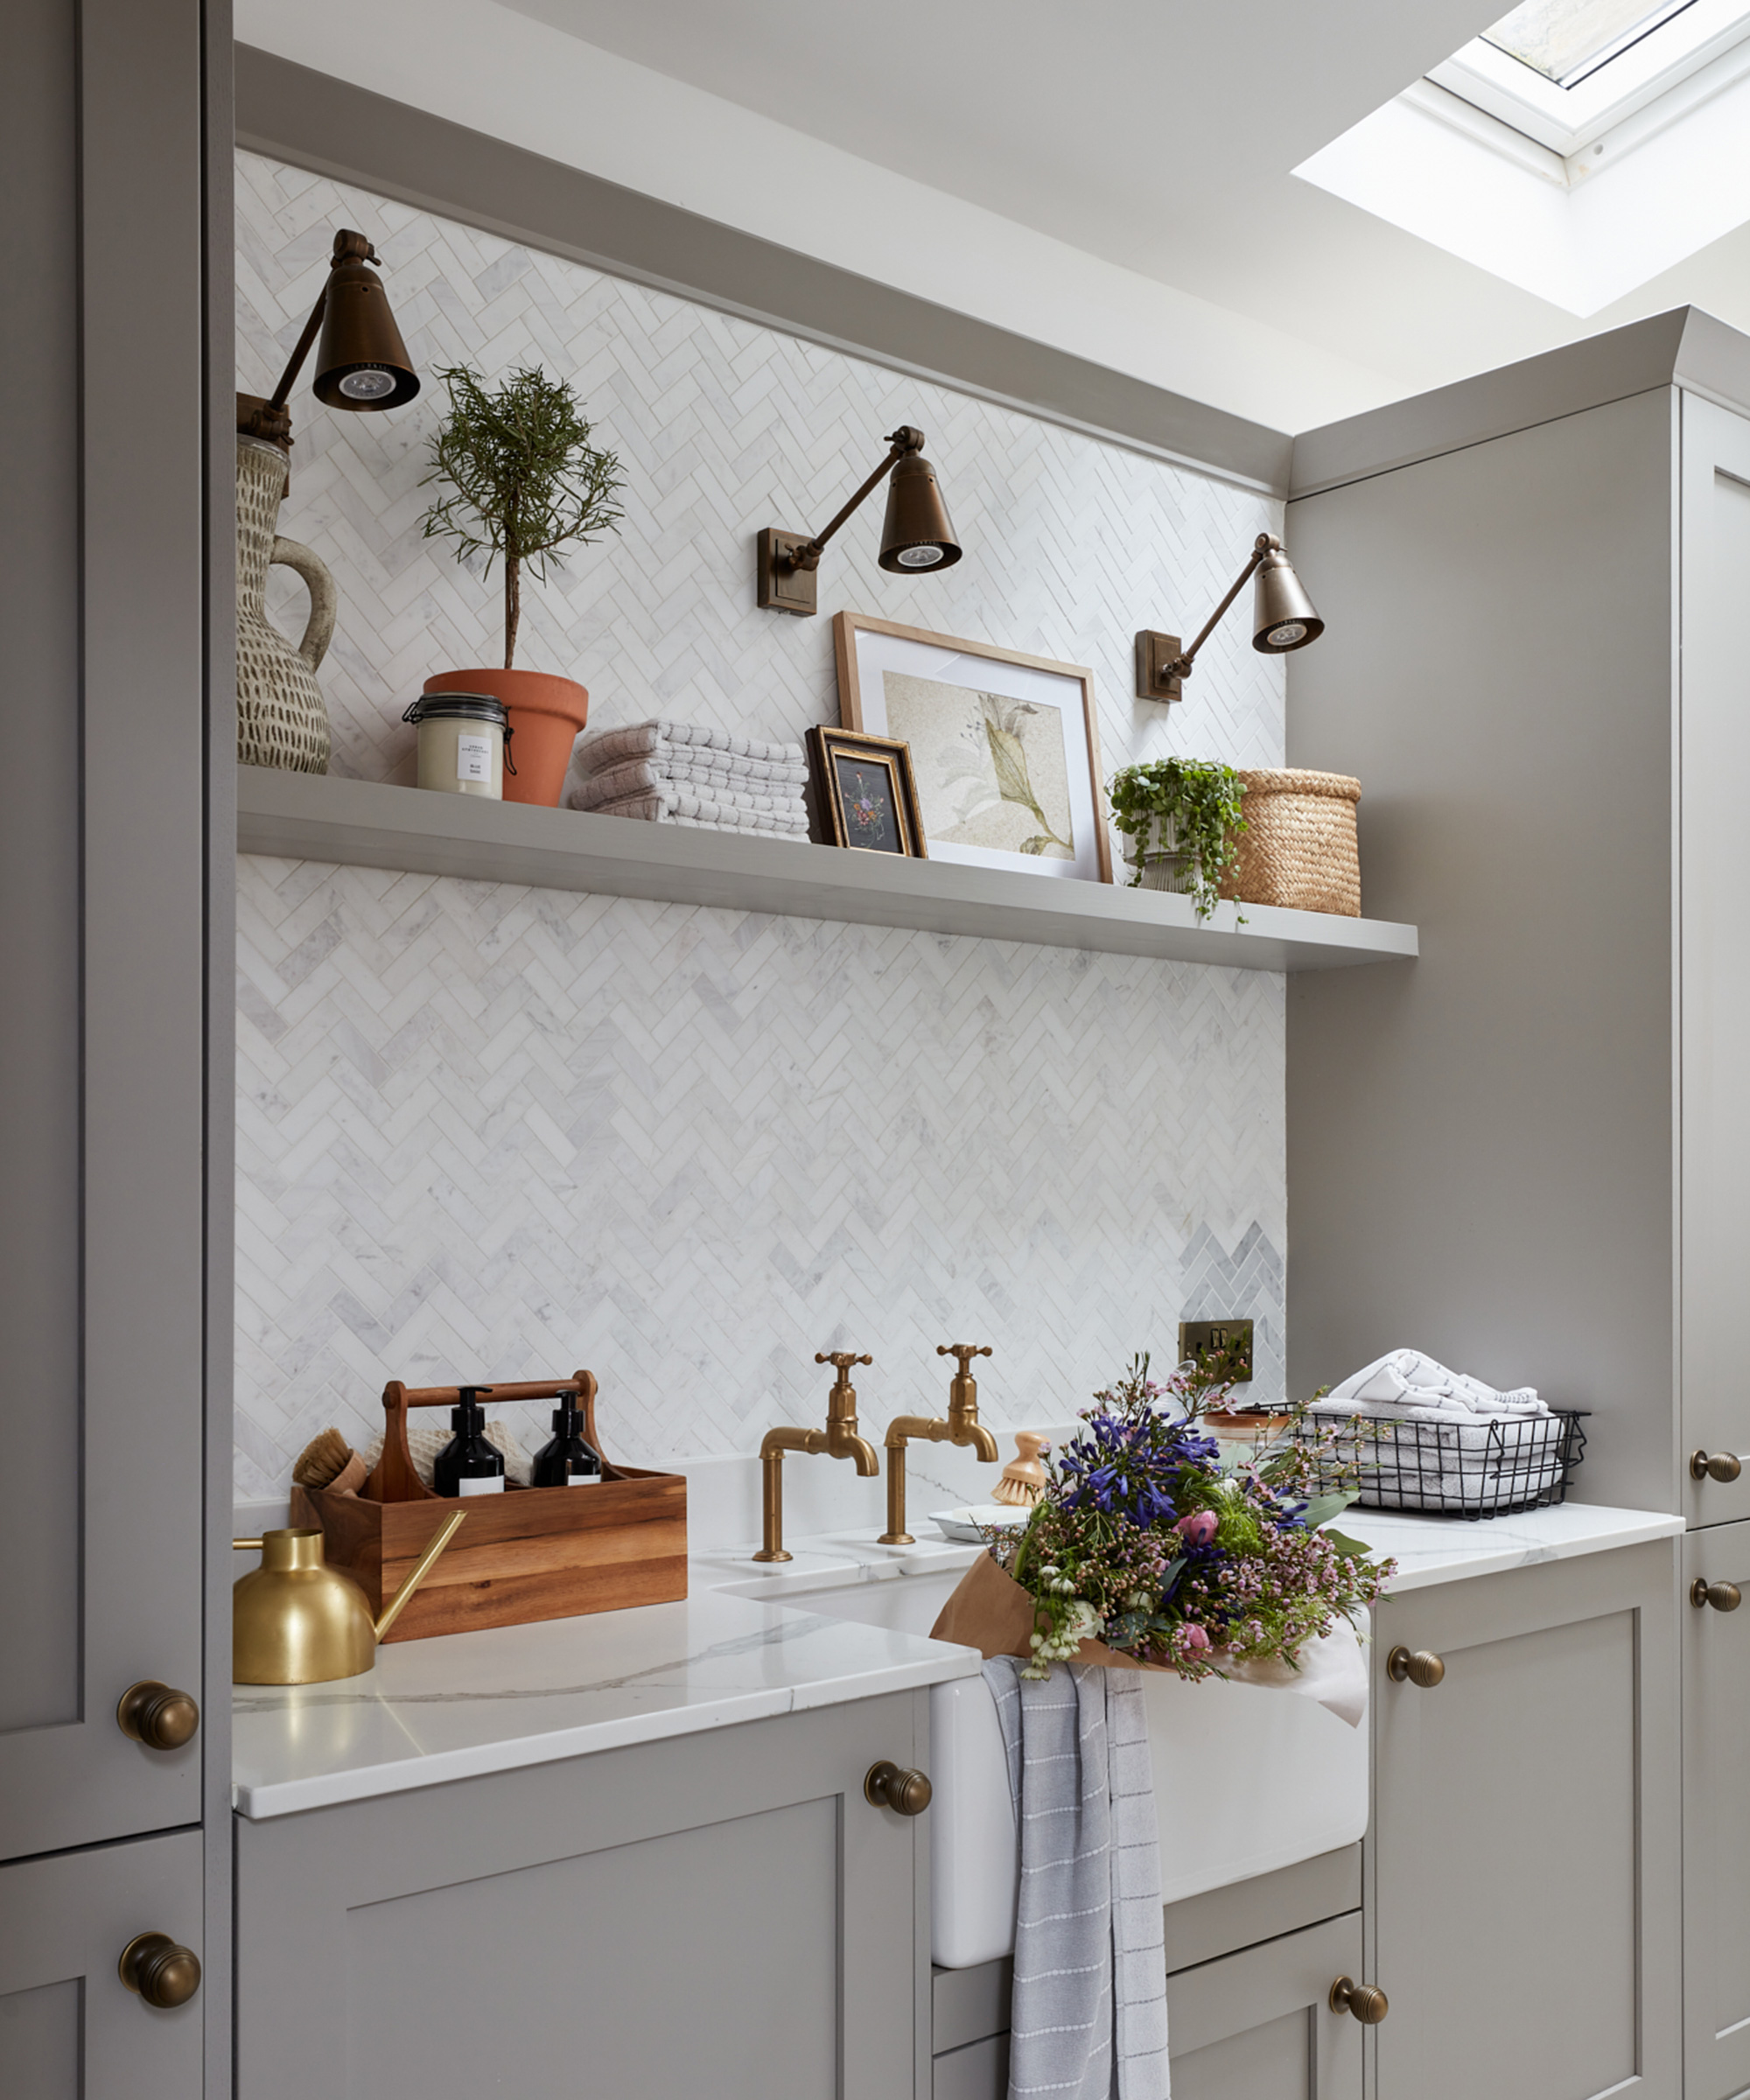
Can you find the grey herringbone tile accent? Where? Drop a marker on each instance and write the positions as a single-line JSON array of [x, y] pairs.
[[486, 1132]]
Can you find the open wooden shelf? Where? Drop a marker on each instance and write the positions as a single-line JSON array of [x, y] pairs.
[[362, 823]]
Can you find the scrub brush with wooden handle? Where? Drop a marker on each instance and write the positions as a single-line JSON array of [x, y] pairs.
[[1023, 1480], [323, 1459]]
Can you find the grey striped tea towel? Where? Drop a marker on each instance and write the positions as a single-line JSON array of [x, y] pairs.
[[1087, 2019]]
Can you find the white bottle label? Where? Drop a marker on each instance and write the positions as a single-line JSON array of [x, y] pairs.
[[493, 1485], [584, 1480], [474, 758]]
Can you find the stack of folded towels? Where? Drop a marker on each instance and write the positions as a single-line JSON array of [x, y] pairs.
[[680, 772]]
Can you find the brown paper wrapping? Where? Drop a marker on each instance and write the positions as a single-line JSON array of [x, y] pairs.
[[990, 1611]]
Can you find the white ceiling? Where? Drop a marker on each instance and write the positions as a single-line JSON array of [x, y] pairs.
[[1157, 135]]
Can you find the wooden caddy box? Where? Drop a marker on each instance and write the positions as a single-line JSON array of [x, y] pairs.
[[528, 1554]]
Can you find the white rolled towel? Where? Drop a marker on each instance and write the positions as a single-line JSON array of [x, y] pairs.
[[1407, 1382]]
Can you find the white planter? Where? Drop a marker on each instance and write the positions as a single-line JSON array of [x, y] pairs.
[[1164, 867]]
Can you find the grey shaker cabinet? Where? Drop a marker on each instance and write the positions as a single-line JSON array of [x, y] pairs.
[[721, 1914], [1253, 2025], [68, 2027], [1259, 2025], [1716, 1821], [1523, 1869]]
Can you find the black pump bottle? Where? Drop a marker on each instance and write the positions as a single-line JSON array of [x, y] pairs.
[[467, 1463], [567, 1461]]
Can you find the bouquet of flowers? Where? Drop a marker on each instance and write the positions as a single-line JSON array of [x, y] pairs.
[[1152, 1543]]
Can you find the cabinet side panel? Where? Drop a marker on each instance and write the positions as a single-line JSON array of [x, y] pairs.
[[39, 606], [1480, 1143], [1716, 951]]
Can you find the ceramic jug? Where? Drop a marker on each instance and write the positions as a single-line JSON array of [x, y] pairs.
[[281, 719]]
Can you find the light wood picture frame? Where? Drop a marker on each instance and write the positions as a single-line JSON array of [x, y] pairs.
[[1005, 746]]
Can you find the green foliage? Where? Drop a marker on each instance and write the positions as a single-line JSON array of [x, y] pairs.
[[526, 480], [1200, 802]]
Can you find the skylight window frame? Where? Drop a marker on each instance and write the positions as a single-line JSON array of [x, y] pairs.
[[1571, 122]]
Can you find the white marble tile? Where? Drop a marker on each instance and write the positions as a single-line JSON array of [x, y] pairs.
[[493, 1132]]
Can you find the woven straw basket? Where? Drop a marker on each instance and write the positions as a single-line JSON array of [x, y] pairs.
[[1298, 846]]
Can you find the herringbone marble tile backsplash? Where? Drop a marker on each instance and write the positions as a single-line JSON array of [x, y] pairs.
[[493, 1132]]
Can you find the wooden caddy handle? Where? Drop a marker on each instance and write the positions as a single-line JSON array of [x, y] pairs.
[[396, 1478]]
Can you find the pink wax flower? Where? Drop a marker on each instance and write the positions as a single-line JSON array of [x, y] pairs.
[[1198, 1529]]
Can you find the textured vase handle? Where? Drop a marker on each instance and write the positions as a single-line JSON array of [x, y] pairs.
[[323, 600]]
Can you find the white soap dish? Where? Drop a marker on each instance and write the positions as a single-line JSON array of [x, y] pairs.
[[967, 1527]]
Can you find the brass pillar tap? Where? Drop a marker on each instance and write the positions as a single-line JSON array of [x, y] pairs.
[[962, 1426], [839, 1439]]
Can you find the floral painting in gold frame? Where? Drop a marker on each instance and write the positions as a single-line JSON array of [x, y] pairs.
[[1004, 748], [863, 794]]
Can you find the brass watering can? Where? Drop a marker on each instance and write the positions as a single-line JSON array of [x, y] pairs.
[[296, 1620]]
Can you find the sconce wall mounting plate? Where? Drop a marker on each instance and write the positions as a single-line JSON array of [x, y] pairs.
[[1154, 652], [781, 589]]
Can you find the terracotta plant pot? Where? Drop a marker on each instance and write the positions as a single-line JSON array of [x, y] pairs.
[[546, 714]]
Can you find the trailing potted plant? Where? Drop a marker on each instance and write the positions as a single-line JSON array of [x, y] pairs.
[[524, 482], [1181, 817]]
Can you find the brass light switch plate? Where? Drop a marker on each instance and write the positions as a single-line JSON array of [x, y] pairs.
[[1231, 1337], [1154, 652], [784, 590]]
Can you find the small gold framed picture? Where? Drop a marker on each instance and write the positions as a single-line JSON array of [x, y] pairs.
[[864, 793]]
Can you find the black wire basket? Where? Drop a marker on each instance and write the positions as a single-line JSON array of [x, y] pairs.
[[1511, 1462]]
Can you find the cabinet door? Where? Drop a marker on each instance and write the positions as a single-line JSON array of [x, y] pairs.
[[102, 853], [68, 2027], [1523, 1894], [723, 1915], [1258, 2025], [1715, 1003], [1716, 1822]]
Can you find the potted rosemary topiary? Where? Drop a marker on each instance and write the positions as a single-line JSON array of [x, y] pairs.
[[1180, 817], [524, 482]]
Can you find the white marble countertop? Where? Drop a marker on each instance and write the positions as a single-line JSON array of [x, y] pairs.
[[465, 1703], [736, 1650], [1447, 1548]]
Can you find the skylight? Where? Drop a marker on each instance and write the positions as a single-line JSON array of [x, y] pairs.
[[1577, 148], [1566, 40]]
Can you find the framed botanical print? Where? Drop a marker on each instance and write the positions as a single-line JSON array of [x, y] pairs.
[[864, 793], [1004, 748]]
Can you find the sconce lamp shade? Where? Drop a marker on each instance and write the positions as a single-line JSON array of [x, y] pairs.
[[1283, 615], [362, 363], [918, 532]]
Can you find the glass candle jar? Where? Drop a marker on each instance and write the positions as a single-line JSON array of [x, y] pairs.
[[464, 743]]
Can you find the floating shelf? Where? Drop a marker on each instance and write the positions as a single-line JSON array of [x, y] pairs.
[[362, 823]]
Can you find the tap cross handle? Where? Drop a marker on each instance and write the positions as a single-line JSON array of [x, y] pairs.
[[965, 1350], [843, 1358]]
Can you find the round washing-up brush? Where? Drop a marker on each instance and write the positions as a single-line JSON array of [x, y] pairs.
[[1023, 1480], [324, 1458]]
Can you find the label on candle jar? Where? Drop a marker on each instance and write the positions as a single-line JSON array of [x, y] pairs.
[[474, 758]]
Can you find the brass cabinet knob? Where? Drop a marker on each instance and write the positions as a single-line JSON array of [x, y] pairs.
[[889, 1787], [1722, 1466], [158, 1715], [1366, 2001], [1419, 1665], [154, 1968], [1723, 1596]]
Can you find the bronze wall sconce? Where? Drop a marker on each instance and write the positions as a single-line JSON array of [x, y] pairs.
[[917, 534], [1283, 619], [362, 363]]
